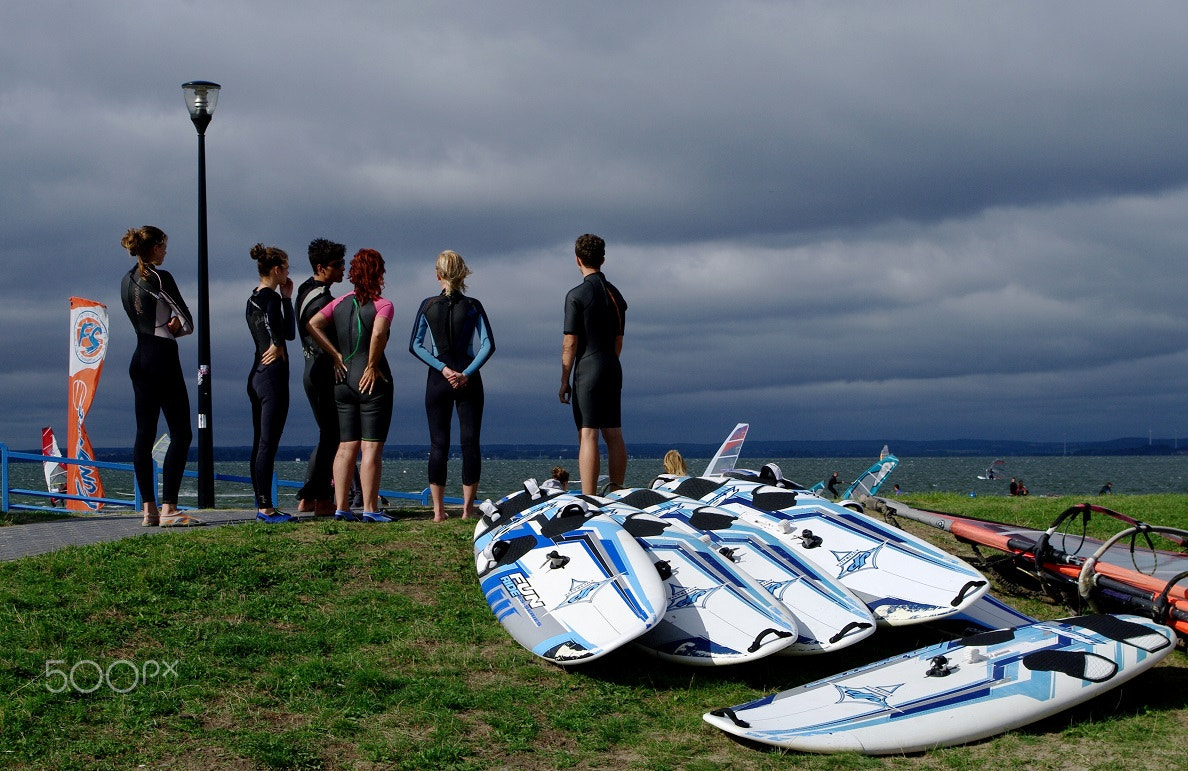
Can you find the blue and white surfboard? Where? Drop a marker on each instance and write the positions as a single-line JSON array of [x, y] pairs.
[[955, 692], [828, 615], [568, 584], [901, 578]]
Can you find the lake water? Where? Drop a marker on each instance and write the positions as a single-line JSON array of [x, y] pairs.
[[1043, 475]]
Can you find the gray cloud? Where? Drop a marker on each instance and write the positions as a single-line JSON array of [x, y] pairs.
[[912, 220]]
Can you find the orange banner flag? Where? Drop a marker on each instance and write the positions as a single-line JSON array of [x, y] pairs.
[[88, 347]]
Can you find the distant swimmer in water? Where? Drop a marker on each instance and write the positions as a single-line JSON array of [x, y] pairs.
[[1106, 489]]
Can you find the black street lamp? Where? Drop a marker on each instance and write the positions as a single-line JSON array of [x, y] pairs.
[[201, 97]]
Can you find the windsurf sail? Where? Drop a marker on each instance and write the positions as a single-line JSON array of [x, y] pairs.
[[55, 473], [1132, 572], [728, 453], [869, 481], [160, 447], [996, 470]]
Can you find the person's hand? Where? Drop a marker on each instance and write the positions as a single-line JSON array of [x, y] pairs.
[[455, 378], [340, 370], [370, 377], [563, 394], [274, 353], [287, 288], [174, 326]]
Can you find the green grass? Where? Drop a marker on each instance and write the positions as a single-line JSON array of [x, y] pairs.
[[326, 645]]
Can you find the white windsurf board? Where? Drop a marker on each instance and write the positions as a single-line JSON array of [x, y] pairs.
[[955, 692]]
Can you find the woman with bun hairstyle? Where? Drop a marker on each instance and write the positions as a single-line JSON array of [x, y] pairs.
[[361, 322], [160, 316], [270, 319], [452, 335]]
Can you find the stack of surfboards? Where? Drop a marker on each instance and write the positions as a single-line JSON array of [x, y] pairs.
[[705, 571], [722, 570]]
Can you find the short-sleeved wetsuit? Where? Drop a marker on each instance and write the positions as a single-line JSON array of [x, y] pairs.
[[312, 296], [445, 333], [157, 380], [270, 319], [596, 314], [361, 416]]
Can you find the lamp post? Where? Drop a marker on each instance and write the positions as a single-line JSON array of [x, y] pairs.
[[201, 97]]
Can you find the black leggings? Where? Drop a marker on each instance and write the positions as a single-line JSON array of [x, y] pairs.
[[268, 390], [319, 389], [440, 401], [159, 388]]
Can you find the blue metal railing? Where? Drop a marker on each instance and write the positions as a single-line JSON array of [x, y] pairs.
[[6, 491]]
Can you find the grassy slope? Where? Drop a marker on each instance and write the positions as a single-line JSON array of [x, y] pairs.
[[337, 646]]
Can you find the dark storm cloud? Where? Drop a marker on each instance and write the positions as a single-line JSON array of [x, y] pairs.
[[830, 219]]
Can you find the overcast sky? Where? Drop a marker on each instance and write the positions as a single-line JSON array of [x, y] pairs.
[[918, 220]]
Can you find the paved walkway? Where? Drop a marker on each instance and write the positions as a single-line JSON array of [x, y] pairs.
[[18, 541]]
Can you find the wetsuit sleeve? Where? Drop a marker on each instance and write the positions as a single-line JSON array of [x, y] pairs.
[[328, 309], [486, 338], [279, 320], [416, 343], [573, 314], [178, 305]]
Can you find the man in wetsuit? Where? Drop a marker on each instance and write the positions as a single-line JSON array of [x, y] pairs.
[[328, 261], [595, 315]]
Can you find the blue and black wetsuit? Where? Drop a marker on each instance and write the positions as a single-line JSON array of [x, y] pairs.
[[445, 333], [596, 314], [157, 381], [270, 319], [312, 296]]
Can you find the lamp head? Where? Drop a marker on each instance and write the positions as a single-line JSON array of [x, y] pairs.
[[201, 98]]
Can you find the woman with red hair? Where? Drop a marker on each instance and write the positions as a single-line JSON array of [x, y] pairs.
[[353, 330]]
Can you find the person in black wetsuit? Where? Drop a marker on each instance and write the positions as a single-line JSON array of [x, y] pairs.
[[269, 316], [159, 315], [361, 322], [595, 315], [834, 481], [452, 335], [327, 259]]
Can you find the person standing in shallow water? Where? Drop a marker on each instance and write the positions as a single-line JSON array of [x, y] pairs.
[[595, 317], [160, 316], [452, 335], [327, 259], [269, 315]]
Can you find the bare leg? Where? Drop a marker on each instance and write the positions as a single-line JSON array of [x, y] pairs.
[[344, 473], [437, 493], [469, 493], [616, 455], [588, 460], [369, 474]]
